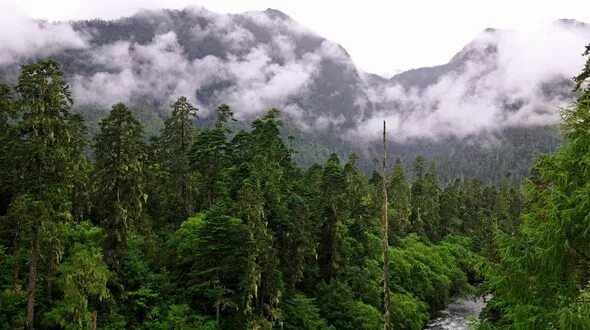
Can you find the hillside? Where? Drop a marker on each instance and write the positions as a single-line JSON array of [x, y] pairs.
[[492, 101]]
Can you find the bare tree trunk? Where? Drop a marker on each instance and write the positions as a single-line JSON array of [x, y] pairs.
[[93, 321], [50, 274], [385, 242], [16, 263], [217, 314], [32, 278]]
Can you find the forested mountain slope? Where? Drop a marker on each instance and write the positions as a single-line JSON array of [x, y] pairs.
[[494, 100]]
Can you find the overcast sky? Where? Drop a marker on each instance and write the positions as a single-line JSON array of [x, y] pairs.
[[381, 36]]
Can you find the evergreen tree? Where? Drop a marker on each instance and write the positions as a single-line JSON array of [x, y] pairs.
[[7, 114], [541, 280], [7, 110], [431, 205], [332, 184], [451, 204], [210, 156], [425, 199], [119, 153], [209, 258], [41, 154], [399, 201], [177, 136]]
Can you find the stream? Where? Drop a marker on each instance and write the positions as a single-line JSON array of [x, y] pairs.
[[458, 313]]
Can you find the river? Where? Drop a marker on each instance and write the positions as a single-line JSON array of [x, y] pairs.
[[458, 313]]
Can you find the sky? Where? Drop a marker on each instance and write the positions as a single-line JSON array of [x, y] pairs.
[[382, 37]]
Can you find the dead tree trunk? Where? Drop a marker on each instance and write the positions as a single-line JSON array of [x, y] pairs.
[[385, 242], [32, 278]]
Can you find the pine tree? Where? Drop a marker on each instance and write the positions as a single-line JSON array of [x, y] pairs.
[[7, 110], [261, 203], [418, 193], [7, 114], [399, 201], [119, 153], [431, 206], [42, 156], [542, 278], [209, 157], [332, 184], [175, 141]]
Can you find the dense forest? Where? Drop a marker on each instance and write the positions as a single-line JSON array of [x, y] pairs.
[[214, 229]]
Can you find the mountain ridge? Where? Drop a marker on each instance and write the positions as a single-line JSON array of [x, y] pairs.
[[257, 60]]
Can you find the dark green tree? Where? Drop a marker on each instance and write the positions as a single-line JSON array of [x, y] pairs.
[[332, 185], [42, 155], [118, 182], [541, 280], [425, 199], [175, 141], [210, 157], [399, 201]]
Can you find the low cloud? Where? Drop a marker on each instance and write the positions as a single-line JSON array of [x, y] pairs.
[[261, 60], [506, 79], [22, 38]]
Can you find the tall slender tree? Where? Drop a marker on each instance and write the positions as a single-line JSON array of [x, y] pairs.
[[385, 240], [119, 152], [177, 136], [42, 153], [209, 157], [398, 191], [332, 183]]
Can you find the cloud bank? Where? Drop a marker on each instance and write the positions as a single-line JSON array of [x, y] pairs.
[[258, 60], [502, 79]]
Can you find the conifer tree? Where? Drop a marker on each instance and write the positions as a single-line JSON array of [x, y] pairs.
[[42, 156], [542, 277], [175, 141], [399, 201], [209, 157], [119, 153], [332, 184]]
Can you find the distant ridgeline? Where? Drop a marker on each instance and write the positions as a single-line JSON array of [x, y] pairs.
[[480, 115]]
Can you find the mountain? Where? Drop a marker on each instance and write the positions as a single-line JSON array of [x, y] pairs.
[[494, 102]]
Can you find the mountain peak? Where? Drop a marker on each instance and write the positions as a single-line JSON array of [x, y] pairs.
[[569, 22], [276, 14]]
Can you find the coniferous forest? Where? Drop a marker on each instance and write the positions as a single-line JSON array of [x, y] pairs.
[[209, 228]]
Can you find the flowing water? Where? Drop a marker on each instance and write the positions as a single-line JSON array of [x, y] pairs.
[[458, 313]]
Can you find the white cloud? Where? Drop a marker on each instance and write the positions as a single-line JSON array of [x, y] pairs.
[[22, 38], [474, 99]]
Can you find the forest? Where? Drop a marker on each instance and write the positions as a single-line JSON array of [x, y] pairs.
[[207, 228]]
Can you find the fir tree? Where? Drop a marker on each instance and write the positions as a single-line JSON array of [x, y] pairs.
[[119, 153]]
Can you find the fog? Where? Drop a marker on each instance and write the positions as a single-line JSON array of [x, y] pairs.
[[501, 79]]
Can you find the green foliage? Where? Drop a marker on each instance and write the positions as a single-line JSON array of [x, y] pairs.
[[119, 195], [344, 312], [234, 235], [431, 273], [408, 312], [399, 195], [302, 313], [174, 144], [209, 258], [178, 317], [82, 275], [12, 309], [541, 279], [210, 156]]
